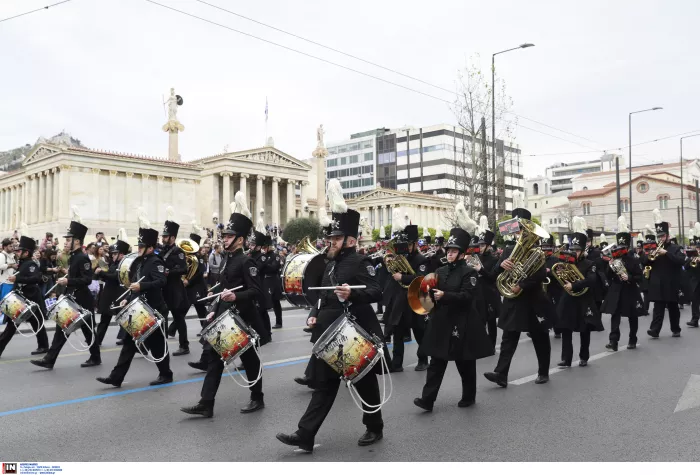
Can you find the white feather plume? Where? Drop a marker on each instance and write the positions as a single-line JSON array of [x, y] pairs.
[[697, 229], [260, 225], [382, 233], [622, 224], [438, 231], [239, 205], [566, 239], [75, 215], [463, 219], [406, 220], [603, 238], [517, 199], [483, 222], [195, 228], [648, 230], [143, 220], [335, 197], [579, 225], [657, 216], [396, 223], [169, 213], [121, 235], [426, 233], [691, 233], [324, 219], [24, 229]]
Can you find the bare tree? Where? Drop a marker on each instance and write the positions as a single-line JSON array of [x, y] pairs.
[[472, 109], [567, 213]]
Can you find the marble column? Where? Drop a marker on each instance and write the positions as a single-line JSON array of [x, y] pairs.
[[41, 204], [243, 186], [159, 201], [112, 196], [25, 200], [48, 207], [276, 201], [3, 210], [96, 190], [304, 185], [144, 192], [291, 200], [128, 181], [259, 198], [11, 207], [54, 198], [64, 201], [35, 198], [226, 192], [15, 207]]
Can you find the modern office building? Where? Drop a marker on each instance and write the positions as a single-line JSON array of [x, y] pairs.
[[561, 174]]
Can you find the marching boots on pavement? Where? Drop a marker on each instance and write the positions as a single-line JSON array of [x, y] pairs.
[[345, 268], [399, 317], [77, 280], [455, 330], [112, 288], [623, 298], [576, 311], [151, 269], [26, 282], [665, 280], [520, 314], [237, 269], [174, 291]]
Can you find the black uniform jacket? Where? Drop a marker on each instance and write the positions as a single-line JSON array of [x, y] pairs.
[[623, 296], [152, 269], [197, 286], [694, 275], [397, 310], [455, 329], [176, 266], [580, 313], [665, 278], [237, 269], [600, 288], [112, 288], [517, 314], [272, 283], [79, 278], [487, 285], [554, 290], [27, 281]]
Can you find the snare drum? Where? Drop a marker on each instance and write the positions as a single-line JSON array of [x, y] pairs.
[[348, 349], [300, 272], [68, 314], [139, 320], [17, 308], [229, 335], [125, 268]]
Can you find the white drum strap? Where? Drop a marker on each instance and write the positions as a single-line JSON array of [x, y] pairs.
[[357, 399], [82, 345], [146, 353], [246, 382], [40, 321]]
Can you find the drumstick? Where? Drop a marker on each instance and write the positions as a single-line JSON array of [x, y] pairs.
[[216, 295], [47, 293], [333, 288], [128, 290]]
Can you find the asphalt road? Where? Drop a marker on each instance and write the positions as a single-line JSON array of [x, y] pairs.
[[619, 408]]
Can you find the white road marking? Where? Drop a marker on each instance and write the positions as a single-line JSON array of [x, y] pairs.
[[691, 395]]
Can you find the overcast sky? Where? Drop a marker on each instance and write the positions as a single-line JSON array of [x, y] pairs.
[[99, 68]]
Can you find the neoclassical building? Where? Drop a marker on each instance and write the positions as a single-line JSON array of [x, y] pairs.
[[108, 188]]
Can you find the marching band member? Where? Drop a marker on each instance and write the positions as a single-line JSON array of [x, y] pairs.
[[648, 246], [578, 313], [665, 280], [593, 254], [455, 330], [112, 288], [152, 269], [77, 280], [487, 279], [623, 298], [694, 272], [554, 290], [26, 281], [345, 268], [436, 260], [174, 291], [272, 284], [238, 269], [196, 287], [399, 317], [256, 244], [520, 314]]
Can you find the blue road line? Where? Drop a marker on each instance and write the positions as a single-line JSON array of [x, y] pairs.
[[138, 390]]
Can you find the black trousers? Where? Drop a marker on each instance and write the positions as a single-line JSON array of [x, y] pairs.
[[417, 324], [645, 294], [201, 310], [567, 345], [615, 328], [42, 338], [265, 317], [155, 343], [323, 397], [436, 371], [121, 333], [179, 325], [277, 308], [492, 330], [102, 327], [59, 339], [695, 306], [251, 364], [674, 316], [509, 343]]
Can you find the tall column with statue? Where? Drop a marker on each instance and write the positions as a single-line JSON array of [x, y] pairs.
[[173, 126], [320, 154]]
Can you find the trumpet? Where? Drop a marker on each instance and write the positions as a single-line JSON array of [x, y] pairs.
[[655, 253], [190, 248]]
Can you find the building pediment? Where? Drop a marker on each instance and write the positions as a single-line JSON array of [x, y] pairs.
[[267, 155], [386, 193], [39, 152]]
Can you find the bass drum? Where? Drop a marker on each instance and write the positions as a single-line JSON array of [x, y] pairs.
[[300, 272], [125, 268]]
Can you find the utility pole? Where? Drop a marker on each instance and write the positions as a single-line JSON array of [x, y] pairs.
[[485, 165], [617, 179]]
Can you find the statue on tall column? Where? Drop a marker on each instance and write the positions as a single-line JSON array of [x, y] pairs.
[[320, 151], [173, 102]]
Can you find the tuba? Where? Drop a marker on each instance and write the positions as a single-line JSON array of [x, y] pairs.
[[616, 265], [190, 248], [305, 247], [567, 273], [526, 258], [396, 263]]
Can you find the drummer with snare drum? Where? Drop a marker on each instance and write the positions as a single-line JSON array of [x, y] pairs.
[[237, 270], [147, 275], [112, 288], [77, 280], [345, 268], [27, 281]]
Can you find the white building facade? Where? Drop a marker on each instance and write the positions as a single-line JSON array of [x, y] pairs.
[[561, 175]]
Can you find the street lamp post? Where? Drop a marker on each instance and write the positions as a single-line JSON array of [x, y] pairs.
[[682, 190], [493, 116], [629, 164]]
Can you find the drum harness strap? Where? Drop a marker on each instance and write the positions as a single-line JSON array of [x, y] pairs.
[[30, 308]]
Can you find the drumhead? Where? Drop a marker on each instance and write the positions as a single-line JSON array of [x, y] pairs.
[[301, 272], [125, 268]]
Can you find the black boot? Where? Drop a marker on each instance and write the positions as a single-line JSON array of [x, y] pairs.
[[497, 378], [206, 410], [110, 380], [295, 441], [466, 402], [542, 378], [200, 365], [564, 364], [692, 323], [370, 437], [612, 346], [43, 363], [181, 351], [91, 362], [303, 381], [41, 351], [422, 366], [161, 380], [252, 406], [423, 404]]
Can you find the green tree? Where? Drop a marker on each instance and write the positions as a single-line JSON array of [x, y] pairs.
[[297, 228]]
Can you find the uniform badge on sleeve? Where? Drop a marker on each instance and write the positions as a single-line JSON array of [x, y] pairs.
[[473, 281], [87, 266], [253, 271], [161, 269], [264, 258], [182, 256], [32, 268], [593, 268], [371, 271], [422, 268]]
